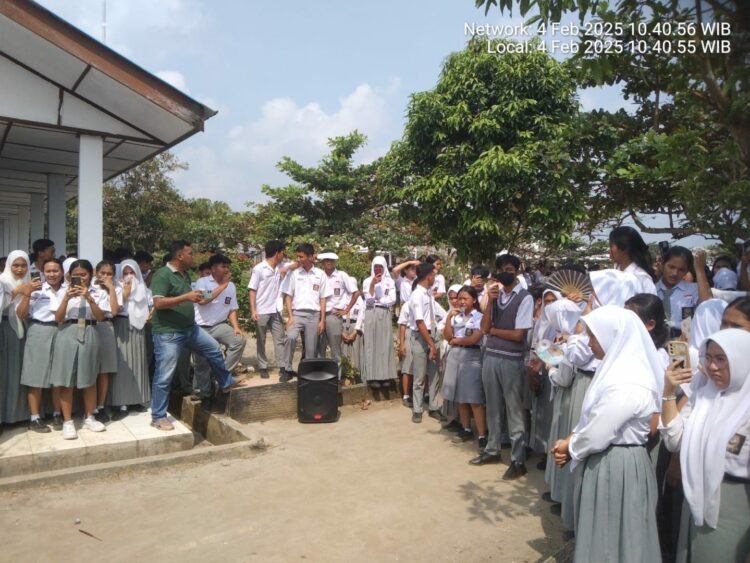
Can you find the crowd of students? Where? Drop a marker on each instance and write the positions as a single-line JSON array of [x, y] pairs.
[[644, 457]]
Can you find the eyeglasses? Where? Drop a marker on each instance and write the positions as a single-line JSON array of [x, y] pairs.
[[719, 361]]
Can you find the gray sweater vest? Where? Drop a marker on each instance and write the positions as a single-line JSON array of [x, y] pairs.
[[504, 317]]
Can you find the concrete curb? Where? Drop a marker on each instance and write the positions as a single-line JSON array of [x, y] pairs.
[[117, 468]]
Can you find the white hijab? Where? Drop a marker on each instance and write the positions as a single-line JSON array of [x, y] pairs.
[[630, 358], [542, 327], [67, 263], [137, 303], [9, 282], [613, 287], [386, 282], [706, 321], [563, 316], [725, 279], [715, 418]]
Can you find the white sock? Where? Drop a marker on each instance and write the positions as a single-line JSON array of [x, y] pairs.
[[406, 396], [57, 413], [483, 436], [99, 408], [124, 408], [467, 429], [34, 417]]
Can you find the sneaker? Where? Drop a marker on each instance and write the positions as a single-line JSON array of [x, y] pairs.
[[482, 443], [515, 471], [102, 416], [416, 417], [407, 402], [463, 436], [484, 458], [162, 424], [119, 414], [69, 430], [38, 426], [57, 422], [90, 423], [437, 415], [264, 374], [453, 426], [283, 376]]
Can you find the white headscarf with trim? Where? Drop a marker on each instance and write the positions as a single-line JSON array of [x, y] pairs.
[[137, 304], [715, 418], [613, 287], [706, 321], [9, 283]]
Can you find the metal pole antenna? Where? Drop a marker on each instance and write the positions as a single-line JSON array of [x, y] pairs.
[[104, 21]]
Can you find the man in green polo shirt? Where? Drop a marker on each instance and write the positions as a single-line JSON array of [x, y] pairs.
[[173, 327]]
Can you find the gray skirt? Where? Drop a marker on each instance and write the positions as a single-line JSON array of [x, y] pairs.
[[107, 347], [405, 366], [74, 363], [541, 415], [13, 404], [730, 541], [37, 355], [379, 362], [462, 382], [558, 477], [615, 507], [130, 386]]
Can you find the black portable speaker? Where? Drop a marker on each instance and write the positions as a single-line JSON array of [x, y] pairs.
[[317, 390]]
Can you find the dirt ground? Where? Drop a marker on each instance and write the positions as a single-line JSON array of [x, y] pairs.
[[371, 487]]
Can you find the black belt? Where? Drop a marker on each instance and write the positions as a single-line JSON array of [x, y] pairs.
[[585, 372], [44, 323], [212, 326], [627, 446], [75, 321], [734, 479], [470, 347]]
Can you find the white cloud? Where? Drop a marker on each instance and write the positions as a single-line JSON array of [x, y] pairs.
[[234, 168], [174, 78]]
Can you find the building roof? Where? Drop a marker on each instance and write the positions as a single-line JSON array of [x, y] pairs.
[[57, 82]]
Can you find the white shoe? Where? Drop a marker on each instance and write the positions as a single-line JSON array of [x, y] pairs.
[[69, 430], [94, 425]]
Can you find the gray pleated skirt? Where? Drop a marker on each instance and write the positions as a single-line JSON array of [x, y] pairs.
[[730, 541], [75, 364], [558, 477], [130, 385], [379, 362], [462, 382], [37, 355], [107, 347], [541, 415], [577, 392], [13, 404], [615, 508]]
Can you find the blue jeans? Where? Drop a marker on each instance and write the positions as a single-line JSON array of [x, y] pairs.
[[167, 348]]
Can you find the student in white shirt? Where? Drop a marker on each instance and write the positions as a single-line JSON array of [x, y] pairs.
[[305, 293], [344, 294], [105, 280], [712, 434], [616, 490], [423, 334], [264, 290], [352, 345], [217, 315], [438, 286], [40, 342], [404, 275], [680, 298], [630, 254], [379, 293]]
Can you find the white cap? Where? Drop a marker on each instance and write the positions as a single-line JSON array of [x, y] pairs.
[[328, 256]]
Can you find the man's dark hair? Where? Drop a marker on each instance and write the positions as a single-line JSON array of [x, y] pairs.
[[432, 258], [504, 259], [166, 258], [143, 256], [219, 259], [423, 270], [204, 266], [305, 248], [41, 244], [480, 270], [272, 247], [122, 253], [177, 246]]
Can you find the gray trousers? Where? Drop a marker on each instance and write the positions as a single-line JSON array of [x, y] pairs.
[[277, 332], [235, 346], [423, 367], [503, 385], [307, 321], [332, 337]]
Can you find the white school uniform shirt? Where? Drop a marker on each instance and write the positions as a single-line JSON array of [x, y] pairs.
[[266, 281], [385, 293], [101, 298], [356, 314], [306, 288], [684, 294], [217, 311], [40, 303], [463, 323], [342, 287], [118, 294], [422, 308], [439, 285], [404, 290], [645, 281], [404, 315]]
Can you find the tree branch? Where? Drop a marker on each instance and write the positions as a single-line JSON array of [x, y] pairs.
[[676, 232]]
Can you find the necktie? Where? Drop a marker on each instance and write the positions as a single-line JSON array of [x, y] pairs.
[[667, 299]]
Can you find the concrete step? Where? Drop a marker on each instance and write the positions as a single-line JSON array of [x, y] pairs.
[[25, 452]]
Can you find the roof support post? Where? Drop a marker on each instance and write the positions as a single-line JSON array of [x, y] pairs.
[[12, 231], [24, 228], [90, 197], [37, 217], [56, 211], [3, 237]]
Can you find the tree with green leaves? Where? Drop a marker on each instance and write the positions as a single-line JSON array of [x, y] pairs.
[[484, 160]]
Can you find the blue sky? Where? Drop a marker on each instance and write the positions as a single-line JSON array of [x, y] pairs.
[[285, 76]]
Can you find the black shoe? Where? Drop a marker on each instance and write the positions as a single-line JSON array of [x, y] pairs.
[[484, 458], [284, 376], [119, 414], [547, 497], [515, 471], [103, 416], [437, 415], [482, 443], [453, 426], [416, 417], [139, 408], [505, 445], [208, 404], [57, 422], [195, 396], [463, 436], [264, 374], [408, 403], [542, 465], [374, 384], [556, 509], [38, 426], [291, 374]]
